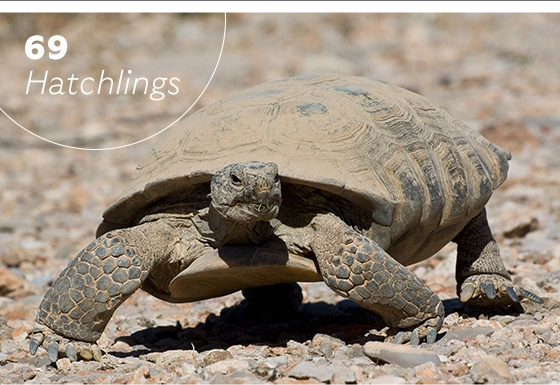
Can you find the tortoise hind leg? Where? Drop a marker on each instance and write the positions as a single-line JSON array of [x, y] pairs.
[[80, 302], [482, 278]]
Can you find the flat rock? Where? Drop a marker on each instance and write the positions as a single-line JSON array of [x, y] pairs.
[[322, 372], [402, 355], [274, 362], [463, 334]]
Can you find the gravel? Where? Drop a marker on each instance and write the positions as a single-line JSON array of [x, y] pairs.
[[498, 73]]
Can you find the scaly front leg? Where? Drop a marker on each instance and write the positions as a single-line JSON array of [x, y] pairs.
[[355, 267], [80, 302]]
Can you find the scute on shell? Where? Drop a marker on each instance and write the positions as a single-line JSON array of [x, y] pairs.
[[398, 156]]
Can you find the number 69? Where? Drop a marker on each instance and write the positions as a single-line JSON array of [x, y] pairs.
[[57, 44]]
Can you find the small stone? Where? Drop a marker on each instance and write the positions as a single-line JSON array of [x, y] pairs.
[[521, 227], [464, 334], [326, 349], [491, 370], [291, 381], [227, 366], [64, 364], [503, 319], [320, 338], [188, 368], [553, 354], [216, 355], [238, 377], [273, 362], [9, 282], [296, 348], [188, 379], [140, 375], [322, 372], [16, 255], [355, 351], [388, 379], [427, 373], [401, 355], [176, 357]]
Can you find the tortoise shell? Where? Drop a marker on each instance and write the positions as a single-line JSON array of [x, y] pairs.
[[399, 157]]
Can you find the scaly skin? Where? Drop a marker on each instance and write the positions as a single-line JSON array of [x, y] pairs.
[[355, 267], [81, 301], [482, 278]]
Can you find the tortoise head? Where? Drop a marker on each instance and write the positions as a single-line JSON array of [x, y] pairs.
[[247, 192]]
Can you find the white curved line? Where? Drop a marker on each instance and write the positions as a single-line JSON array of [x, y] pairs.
[[149, 137]]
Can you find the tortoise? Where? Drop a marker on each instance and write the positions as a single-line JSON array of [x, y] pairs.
[[334, 178]]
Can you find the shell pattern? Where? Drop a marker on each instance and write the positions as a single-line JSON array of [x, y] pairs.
[[405, 161]]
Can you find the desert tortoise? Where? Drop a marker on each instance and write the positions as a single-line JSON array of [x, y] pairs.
[[334, 178]]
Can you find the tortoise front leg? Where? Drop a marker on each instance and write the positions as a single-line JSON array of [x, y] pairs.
[[355, 267], [80, 302]]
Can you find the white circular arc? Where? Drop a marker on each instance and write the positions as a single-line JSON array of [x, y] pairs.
[[149, 137]]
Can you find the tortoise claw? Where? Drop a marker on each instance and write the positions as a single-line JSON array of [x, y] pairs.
[[86, 354], [493, 290], [533, 297], [53, 351], [414, 338], [490, 290], [399, 338], [467, 291], [97, 353], [35, 342], [431, 336], [71, 353], [512, 294]]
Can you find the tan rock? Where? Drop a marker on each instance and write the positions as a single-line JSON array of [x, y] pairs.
[[491, 370], [9, 282]]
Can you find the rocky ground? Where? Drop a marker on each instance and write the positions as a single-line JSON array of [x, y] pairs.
[[498, 73]]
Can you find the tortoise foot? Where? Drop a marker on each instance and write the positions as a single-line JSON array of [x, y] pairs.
[[493, 290], [59, 347], [427, 331]]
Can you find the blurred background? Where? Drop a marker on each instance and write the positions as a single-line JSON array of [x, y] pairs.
[[498, 73]]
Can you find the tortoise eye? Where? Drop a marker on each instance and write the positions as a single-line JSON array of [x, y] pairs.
[[276, 178], [235, 180]]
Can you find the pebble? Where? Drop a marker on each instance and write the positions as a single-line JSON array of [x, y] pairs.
[[227, 366], [464, 334], [274, 362], [140, 375], [216, 355], [322, 372], [9, 282], [491, 370], [402, 355], [388, 379]]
